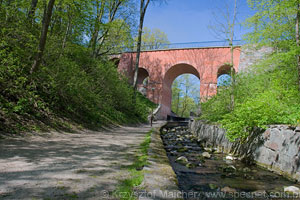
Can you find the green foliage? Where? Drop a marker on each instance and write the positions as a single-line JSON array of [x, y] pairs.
[[70, 85], [215, 108], [263, 97], [154, 39], [185, 95], [273, 23], [269, 93], [125, 190]]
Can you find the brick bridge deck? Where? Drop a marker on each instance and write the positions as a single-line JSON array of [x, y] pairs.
[[161, 67]]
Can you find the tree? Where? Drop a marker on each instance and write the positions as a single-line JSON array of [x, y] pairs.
[[153, 39], [276, 25], [118, 38], [51, 40], [143, 7], [185, 95], [270, 93], [109, 16], [32, 9], [43, 38], [176, 92], [224, 27]]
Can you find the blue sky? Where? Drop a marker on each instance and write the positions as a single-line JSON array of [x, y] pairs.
[[188, 20]]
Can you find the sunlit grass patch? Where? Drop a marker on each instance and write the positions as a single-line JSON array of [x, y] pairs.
[[125, 190]]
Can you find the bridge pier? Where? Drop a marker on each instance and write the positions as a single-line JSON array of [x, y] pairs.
[[162, 67]]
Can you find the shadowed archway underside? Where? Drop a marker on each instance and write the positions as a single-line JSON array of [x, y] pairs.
[[169, 78]]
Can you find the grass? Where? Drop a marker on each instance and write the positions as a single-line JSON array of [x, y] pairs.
[[125, 190]]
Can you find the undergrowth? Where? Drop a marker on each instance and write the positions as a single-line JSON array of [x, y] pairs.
[[266, 95], [71, 87]]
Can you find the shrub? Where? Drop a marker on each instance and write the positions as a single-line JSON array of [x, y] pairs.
[[266, 95]]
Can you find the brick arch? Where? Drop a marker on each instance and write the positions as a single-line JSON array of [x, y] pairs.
[[224, 69], [178, 69], [142, 75], [206, 61], [170, 75], [116, 61]]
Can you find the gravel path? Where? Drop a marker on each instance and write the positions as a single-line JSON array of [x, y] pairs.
[[86, 165]]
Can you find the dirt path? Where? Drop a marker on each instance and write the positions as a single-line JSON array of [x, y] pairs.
[[84, 165]]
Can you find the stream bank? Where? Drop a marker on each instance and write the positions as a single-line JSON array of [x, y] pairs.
[[276, 149], [205, 172]]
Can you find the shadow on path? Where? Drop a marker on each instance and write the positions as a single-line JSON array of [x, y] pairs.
[[67, 166]]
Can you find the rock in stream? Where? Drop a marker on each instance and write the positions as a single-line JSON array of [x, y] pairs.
[[205, 173]]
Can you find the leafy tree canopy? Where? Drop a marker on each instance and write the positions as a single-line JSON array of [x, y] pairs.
[[185, 95], [268, 93], [75, 82], [154, 39]]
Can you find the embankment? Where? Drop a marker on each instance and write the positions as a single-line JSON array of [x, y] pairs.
[[277, 148]]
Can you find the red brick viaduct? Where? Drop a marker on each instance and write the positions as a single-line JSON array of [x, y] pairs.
[[162, 67]]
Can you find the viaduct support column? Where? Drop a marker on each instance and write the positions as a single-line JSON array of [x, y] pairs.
[[207, 90]]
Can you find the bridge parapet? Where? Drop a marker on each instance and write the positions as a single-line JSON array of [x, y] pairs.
[[187, 45], [159, 68]]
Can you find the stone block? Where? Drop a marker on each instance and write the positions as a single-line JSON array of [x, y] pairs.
[[284, 163], [272, 145], [275, 139], [266, 134], [265, 156], [278, 148]]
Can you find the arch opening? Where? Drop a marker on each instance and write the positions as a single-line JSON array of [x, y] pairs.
[[223, 76], [224, 80], [115, 61], [142, 82], [185, 95], [169, 77]]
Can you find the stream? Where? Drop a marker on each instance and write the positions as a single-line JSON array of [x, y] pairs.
[[205, 173]]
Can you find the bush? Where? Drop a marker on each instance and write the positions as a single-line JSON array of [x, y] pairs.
[[267, 95], [73, 86], [70, 85]]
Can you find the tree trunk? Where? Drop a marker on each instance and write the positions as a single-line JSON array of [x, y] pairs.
[[66, 35], [297, 41], [184, 106], [42, 44], [112, 14], [232, 74], [69, 26], [143, 9], [100, 13], [185, 100], [31, 12], [177, 106]]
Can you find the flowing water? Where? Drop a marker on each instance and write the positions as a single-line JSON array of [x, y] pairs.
[[200, 177]]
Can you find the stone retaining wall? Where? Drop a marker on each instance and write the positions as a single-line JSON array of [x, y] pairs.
[[159, 177], [277, 148], [251, 55]]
